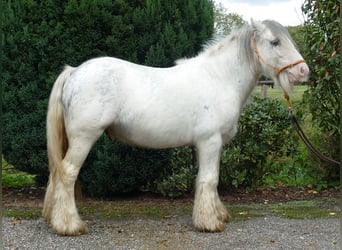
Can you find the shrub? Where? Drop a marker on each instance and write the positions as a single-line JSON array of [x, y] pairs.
[[265, 136], [179, 178], [323, 174], [323, 99], [114, 167], [36, 45]]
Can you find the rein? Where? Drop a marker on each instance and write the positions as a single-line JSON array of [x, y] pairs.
[[278, 69], [293, 118], [303, 136]]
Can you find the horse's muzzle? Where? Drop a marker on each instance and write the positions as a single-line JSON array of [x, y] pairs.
[[298, 73]]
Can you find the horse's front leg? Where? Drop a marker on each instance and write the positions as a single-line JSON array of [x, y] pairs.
[[209, 213]]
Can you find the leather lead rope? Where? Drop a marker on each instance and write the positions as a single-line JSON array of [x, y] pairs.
[[299, 130], [303, 136]]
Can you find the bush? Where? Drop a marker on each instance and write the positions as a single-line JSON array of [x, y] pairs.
[[114, 167], [323, 99], [37, 44], [179, 179], [323, 174], [265, 137]]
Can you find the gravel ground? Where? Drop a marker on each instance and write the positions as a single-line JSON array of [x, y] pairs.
[[177, 233]]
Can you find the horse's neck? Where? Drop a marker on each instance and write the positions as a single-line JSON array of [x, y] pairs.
[[246, 82], [233, 68]]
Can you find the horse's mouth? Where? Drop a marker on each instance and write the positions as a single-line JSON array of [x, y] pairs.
[[295, 78], [298, 73]]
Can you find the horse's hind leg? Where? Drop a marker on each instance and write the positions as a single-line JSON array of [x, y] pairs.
[[64, 216], [209, 213]]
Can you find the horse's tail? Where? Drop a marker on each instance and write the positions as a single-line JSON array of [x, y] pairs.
[[57, 141]]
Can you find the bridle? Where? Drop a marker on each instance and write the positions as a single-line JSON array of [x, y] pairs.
[[278, 69], [292, 116]]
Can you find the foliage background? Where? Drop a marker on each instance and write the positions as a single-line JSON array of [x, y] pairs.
[[263, 151], [42, 36], [322, 100], [39, 37]]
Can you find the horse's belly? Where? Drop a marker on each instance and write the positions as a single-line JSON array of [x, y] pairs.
[[152, 134]]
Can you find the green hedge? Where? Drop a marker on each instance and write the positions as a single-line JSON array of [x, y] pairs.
[[114, 167], [40, 37], [266, 136], [323, 99]]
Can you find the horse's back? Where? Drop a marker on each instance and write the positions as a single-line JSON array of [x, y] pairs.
[[152, 107], [133, 102]]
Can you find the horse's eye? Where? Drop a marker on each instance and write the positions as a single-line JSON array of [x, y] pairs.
[[275, 42]]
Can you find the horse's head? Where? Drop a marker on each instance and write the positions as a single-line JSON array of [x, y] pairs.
[[277, 54]]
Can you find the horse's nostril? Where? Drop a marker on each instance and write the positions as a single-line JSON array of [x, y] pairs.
[[304, 70]]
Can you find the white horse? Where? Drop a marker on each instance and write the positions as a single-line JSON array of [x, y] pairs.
[[197, 102]]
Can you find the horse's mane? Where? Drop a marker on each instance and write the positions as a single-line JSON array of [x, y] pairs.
[[244, 36], [217, 43]]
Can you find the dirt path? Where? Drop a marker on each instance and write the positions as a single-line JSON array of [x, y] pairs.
[[261, 221], [177, 233]]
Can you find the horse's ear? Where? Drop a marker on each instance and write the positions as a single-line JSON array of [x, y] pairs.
[[256, 25]]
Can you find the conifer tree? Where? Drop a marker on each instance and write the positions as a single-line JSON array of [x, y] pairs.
[[40, 37]]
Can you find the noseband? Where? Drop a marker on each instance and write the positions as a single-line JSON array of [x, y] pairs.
[[278, 69]]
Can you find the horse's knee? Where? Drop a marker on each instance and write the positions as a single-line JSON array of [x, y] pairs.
[[70, 173]]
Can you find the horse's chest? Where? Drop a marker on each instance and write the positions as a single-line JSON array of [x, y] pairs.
[[218, 118]]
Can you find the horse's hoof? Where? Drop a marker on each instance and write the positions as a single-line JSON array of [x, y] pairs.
[[75, 229], [210, 227]]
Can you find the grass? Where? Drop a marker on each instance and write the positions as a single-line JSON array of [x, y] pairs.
[[311, 209], [12, 177], [277, 93], [23, 213], [125, 211]]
